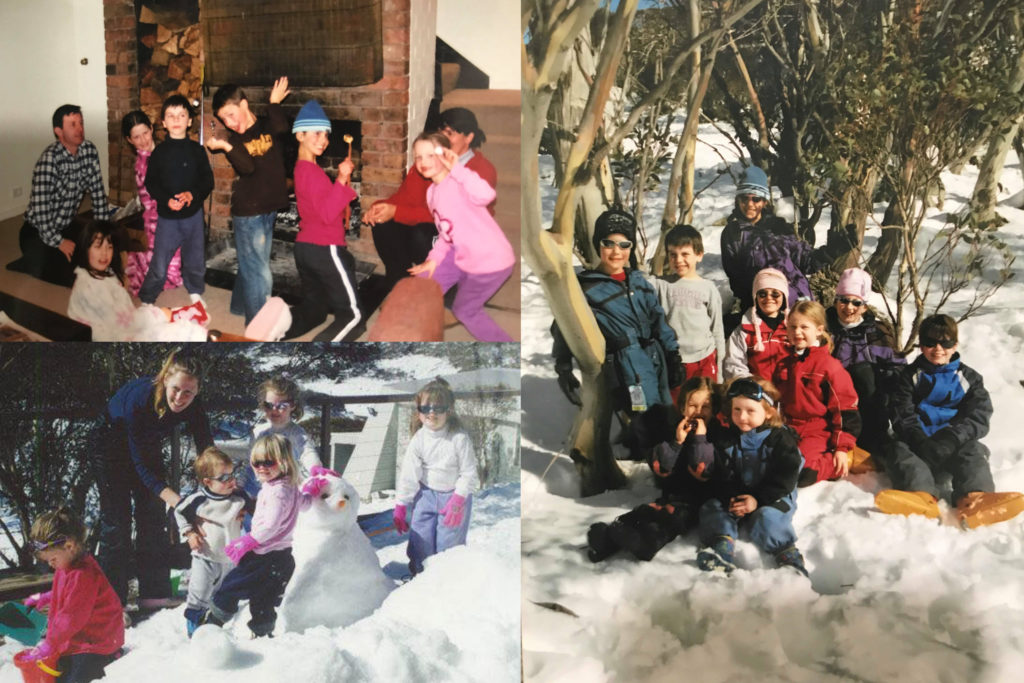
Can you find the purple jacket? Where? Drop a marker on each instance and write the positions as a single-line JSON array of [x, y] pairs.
[[866, 343], [277, 510]]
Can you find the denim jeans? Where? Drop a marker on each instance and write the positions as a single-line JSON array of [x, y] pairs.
[[253, 238]]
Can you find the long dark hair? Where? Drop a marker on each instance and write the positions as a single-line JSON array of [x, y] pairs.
[[103, 231]]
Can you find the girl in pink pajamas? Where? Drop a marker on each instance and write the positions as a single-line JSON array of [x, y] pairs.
[[471, 250]]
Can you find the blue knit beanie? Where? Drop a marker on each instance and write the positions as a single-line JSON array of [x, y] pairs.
[[753, 181], [311, 117]]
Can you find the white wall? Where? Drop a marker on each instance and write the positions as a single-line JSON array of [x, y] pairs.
[[422, 29], [41, 45], [485, 33]]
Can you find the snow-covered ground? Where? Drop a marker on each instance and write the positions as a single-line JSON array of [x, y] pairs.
[[890, 598], [457, 621]]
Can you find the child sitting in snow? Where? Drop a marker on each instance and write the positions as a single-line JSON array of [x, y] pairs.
[[646, 529], [210, 518], [752, 469], [84, 629], [264, 556], [817, 396], [100, 300], [759, 341], [940, 409], [437, 478]]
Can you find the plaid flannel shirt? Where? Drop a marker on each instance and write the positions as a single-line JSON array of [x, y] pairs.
[[58, 182]]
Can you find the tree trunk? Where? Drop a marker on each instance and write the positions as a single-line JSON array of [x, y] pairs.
[[986, 188], [689, 149], [881, 263]]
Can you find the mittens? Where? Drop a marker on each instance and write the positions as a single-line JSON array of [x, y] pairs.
[[236, 549], [453, 511], [399, 518]]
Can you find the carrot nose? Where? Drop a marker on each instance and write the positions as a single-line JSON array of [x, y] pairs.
[[341, 504]]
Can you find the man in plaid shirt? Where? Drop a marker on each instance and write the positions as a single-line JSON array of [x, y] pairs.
[[67, 168]]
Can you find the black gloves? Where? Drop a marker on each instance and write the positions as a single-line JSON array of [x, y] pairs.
[[937, 448], [676, 373], [568, 383]]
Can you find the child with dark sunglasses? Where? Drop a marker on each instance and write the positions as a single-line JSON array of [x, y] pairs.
[[866, 347], [209, 518], [751, 470], [263, 557], [437, 478], [759, 341], [85, 629], [940, 409]]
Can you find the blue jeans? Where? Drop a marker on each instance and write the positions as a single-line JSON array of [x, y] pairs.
[[253, 238], [768, 527]]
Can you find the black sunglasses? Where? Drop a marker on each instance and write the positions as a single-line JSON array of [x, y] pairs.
[[748, 388], [623, 244], [849, 301], [769, 294], [263, 463], [750, 199], [280, 405], [224, 478], [929, 342], [427, 408]]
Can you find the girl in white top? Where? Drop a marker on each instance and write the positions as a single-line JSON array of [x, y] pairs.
[[437, 479]]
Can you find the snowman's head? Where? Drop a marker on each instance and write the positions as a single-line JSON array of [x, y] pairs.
[[337, 505]]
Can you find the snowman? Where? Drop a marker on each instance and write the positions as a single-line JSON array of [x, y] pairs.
[[338, 578]]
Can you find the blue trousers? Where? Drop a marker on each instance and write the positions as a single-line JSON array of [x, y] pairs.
[[427, 533], [260, 578], [768, 527], [172, 233], [253, 240]]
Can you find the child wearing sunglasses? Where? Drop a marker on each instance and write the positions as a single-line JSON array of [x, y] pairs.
[[866, 347], [437, 479], [639, 343], [752, 469], [818, 396], [759, 342], [263, 557], [84, 628], [940, 409], [209, 518]]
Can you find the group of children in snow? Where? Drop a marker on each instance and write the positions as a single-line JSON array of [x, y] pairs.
[[174, 179], [86, 620], [809, 393]]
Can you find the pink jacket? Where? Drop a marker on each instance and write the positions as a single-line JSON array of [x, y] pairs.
[[321, 205], [459, 204], [277, 509], [85, 613]]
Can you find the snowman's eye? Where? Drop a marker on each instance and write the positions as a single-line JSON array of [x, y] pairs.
[[324, 496]]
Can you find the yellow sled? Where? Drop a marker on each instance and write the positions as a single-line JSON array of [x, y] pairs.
[[981, 509], [896, 502], [861, 461]]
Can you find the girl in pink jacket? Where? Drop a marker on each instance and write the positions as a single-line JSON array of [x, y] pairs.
[[471, 250], [85, 627]]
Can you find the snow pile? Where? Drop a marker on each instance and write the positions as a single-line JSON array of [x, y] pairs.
[[890, 598]]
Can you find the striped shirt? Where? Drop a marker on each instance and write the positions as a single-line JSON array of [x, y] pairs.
[[58, 182]]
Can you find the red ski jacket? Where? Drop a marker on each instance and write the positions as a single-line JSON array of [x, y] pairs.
[[818, 396]]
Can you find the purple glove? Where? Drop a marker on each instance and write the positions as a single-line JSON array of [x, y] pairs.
[[41, 651], [38, 600], [453, 511], [236, 549], [314, 486], [321, 470], [399, 517]]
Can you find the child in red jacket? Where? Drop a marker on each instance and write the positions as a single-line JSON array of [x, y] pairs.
[[85, 628], [818, 396]]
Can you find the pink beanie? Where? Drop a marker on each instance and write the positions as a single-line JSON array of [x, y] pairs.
[[769, 278], [854, 282]]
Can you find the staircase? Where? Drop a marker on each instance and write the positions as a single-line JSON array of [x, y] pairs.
[[497, 114]]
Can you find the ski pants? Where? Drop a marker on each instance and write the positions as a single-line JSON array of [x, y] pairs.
[[428, 534], [769, 528], [909, 472], [262, 579]]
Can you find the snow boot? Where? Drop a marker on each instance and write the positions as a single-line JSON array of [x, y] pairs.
[[719, 556], [791, 557], [861, 461], [194, 618], [643, 531], [896, 502], [263, 629], [600, 546], [979, 508]]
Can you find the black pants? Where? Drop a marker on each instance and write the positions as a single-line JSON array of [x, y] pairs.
[[120, 488], [328, 277], [871, 404], [262, 579], [402, 246], [83, 667], [968, 468], [40, 260]]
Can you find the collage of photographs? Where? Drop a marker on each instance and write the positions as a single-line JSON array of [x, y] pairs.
[[533, 340]]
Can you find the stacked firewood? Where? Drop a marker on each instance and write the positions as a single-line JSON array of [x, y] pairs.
[[175, 64]]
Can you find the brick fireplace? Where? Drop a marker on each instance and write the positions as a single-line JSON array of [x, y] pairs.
[[381, 111]]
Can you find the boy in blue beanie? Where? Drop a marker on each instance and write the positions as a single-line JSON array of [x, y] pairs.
[[940, 409]]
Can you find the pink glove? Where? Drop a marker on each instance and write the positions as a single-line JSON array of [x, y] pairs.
[[41, 651], [453, 511], [399, 517], [320, 470], [38, 600], [314, 486], [236, 549]]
